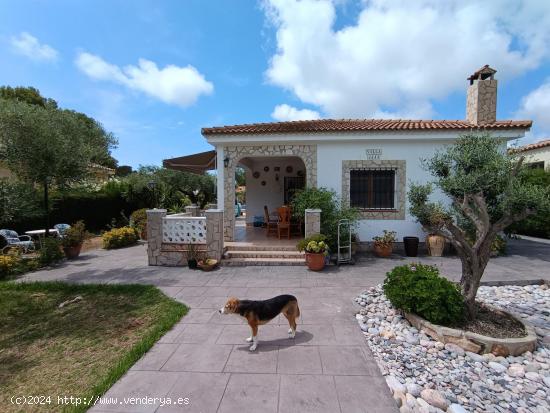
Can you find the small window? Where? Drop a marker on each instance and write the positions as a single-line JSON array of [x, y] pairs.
[[372, 188], [536, 165]]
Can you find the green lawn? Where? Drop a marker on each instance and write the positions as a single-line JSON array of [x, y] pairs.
[[80, 349]]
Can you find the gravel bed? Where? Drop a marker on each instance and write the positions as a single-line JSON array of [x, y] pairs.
[[427, 376]]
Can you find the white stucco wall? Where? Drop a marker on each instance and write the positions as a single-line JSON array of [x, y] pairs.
[[272, 194], [538, 155], [331, 155]]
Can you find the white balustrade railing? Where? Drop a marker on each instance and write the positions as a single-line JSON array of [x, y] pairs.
[[178, 229]]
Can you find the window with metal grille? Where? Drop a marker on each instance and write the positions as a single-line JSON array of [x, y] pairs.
[[372, 188]]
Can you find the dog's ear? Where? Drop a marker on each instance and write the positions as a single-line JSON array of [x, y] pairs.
[[232, 304]]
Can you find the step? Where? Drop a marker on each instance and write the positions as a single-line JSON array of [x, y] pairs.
[[267, 247], [263, 254], [244, 262]]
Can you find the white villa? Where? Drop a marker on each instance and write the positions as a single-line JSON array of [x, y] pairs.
[[537, 155], [370, 163]]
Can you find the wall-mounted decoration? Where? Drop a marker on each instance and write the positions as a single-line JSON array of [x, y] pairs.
[[289, 169], [263, 183], [277, 168], [256, 174], [300, 173], [266, 168]]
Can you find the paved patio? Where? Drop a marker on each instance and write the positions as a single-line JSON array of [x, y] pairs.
[[326, 368]]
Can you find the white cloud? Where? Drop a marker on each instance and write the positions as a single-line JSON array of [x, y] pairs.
[[398, 56], [285, 112], [536, 107], [172, 84], [29, 46]]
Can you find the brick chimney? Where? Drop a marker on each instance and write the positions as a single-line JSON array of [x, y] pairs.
[[481, 99]]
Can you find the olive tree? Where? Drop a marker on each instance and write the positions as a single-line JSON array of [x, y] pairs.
[[487, 194], [46, 146]]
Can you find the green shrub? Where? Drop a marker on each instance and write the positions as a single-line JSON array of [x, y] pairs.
[[8, 265], [302, 244], [138, 219], [418, 288], [331, 211], [50, 252], [120, 237]]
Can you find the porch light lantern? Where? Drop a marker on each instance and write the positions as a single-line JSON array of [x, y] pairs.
[[226, 162]]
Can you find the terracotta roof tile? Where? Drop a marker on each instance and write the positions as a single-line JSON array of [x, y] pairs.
[[536, 145], [360, 125]]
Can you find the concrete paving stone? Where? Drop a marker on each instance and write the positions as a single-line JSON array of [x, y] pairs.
[[169, 290], [299, 360], [212, 302], [346, 360], [198, 315], [357, 393], [314, 335], [198, 357], [200, 334], [139, 385], [155, 358], [262, 293], [204, 392], [171, 336], [218, 318], [238, 292], [234, 334], [190, 292], [262, 360], [308, 394], [348, 334], [251, 393]]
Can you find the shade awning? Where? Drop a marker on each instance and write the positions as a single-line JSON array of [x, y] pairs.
[[197, 163]]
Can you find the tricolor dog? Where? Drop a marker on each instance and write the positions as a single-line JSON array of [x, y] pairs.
[[261, 312]]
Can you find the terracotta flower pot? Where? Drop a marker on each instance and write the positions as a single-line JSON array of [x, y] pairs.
[[436, 245], [315, 261], [143, 234], [383, 250], [72, 252]]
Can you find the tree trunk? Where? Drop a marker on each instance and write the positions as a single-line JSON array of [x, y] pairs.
[[47, 209]]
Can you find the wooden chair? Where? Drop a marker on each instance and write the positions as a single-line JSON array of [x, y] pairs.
[[284, 221], [270, 223]]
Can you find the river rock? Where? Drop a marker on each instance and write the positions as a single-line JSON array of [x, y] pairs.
[[395, 385], [516, 370], [434, 398], [453, 348], [499, 368]]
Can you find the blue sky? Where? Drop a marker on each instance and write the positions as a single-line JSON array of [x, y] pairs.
[[207, 63]]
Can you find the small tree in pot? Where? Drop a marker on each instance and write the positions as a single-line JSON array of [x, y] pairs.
[[73, 238], [487, 193]]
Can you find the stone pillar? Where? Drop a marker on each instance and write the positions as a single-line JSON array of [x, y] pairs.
[[214, 233], [193, 210], [312, 222], [154, 234]]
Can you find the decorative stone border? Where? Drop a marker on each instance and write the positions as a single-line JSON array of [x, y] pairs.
[[400, 186], [477, 343], [234, 153]]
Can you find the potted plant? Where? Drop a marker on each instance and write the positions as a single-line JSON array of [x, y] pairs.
[[316, 251], [208, 264], [383, 245], [73, 238], [192, 255], [435, 244], [411, 246]]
